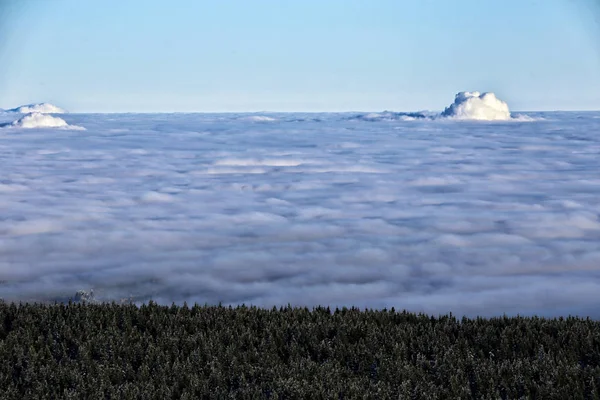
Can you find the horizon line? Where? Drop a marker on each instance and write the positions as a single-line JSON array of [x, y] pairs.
[[309, 112]]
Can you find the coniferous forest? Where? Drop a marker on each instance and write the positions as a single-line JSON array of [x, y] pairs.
[[116, 351]]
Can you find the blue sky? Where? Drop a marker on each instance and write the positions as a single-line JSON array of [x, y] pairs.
[[309, 55]]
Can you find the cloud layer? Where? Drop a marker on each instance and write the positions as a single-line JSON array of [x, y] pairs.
[[477, 219]]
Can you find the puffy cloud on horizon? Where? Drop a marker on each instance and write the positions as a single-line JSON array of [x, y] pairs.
[[477, 106], [38, 120], [466, 106], [42, 108]]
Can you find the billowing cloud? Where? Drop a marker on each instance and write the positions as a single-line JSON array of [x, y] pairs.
[[466, 106], [477, 106]]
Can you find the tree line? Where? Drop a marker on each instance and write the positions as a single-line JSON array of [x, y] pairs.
[[123, 351]]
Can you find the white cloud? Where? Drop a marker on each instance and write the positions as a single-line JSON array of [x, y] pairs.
[[466, 106], [258, 118], [477, 106], [156, 197]]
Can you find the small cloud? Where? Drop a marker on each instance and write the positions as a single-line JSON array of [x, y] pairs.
[[258, 118], [157, 197]]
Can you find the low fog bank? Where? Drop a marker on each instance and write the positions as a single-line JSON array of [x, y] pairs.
[[480, 219]]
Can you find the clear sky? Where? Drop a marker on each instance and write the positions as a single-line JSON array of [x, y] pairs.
[[300, 55]]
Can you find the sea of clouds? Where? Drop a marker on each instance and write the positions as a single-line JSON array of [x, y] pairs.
[[428, 214]]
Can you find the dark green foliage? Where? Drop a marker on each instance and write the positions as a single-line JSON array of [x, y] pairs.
[[110, 351]]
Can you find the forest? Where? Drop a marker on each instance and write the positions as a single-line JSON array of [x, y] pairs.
[[78, 350]]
